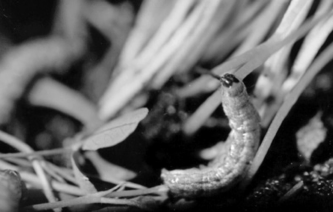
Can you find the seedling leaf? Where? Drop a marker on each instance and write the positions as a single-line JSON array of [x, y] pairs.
[[115, 131], [52, 94]]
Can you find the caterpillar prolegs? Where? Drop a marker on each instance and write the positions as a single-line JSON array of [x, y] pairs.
[[227, 169]]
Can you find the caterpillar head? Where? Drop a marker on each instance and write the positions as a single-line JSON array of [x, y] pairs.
[[231, 85]]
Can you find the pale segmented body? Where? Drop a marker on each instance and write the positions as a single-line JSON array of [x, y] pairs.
[[225, 170]]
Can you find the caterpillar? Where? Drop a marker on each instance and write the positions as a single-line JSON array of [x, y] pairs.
[[226, 169]]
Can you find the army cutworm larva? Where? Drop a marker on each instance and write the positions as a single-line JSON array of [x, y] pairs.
[[226, 169]]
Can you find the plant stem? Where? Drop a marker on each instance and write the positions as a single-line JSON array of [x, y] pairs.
[[89, 199], [39, 153]]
